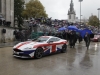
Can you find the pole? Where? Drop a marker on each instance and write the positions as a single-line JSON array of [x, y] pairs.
[[98, 19], [80, 12], [32, 32]]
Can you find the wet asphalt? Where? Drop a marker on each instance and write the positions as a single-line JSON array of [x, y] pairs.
[[77, 61], [8, 44]]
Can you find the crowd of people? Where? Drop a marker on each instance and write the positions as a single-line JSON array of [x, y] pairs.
[[49, 27], [56, 24]]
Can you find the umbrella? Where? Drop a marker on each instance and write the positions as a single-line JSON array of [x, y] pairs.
[[61, 29], [72, 28], [83, 32], [80, 30]]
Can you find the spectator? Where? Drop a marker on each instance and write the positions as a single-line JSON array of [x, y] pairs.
[[87, 39]]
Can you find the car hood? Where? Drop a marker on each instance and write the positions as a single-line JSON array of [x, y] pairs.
[[29, 45]]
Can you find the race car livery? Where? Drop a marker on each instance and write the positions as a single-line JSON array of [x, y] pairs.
[[43, 45]]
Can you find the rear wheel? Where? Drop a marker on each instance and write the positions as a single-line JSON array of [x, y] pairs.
[[39, 53], [64, 48]]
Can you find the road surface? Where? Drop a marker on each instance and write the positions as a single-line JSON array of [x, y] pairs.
[[77, 61]]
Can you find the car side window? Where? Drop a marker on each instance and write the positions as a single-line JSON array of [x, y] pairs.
[[54, 39], [57, 39]]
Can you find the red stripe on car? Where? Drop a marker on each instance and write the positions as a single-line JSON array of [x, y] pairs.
[[48, 44], [23, 44]]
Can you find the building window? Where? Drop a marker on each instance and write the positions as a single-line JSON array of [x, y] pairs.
[[0, 6]]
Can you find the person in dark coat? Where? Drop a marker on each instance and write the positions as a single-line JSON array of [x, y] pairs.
[[64, 34], [15, 34], [87, 39], [49, 34], [21, 36], [72, 39], [68, 35], [79, 37], [0, 21], [59, 35], [53, 34]]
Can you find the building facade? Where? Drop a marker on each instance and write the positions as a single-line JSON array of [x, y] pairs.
[[71, 13], [7, 10]]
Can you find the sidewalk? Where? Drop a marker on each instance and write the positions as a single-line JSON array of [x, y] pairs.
[[8, 44]]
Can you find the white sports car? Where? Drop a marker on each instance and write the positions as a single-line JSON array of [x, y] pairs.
[[44, 45]]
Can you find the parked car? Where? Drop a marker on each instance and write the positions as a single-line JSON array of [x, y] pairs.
[[39, 47], [96, 38]]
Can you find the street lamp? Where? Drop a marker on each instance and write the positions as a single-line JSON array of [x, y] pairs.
[[80, 10], [98, 17]]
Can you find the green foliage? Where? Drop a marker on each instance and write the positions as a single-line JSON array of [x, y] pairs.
[[18, 9], [34, 9], [93, 20]]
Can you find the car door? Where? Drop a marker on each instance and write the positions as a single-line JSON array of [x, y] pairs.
[[58, 44], [55, 44]]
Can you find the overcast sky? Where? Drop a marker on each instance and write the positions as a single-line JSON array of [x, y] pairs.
[[58, 9]]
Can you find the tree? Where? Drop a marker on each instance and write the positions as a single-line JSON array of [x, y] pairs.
[[93, 20], [34, 9], [18, 9]]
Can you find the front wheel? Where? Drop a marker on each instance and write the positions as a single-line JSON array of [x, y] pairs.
[[39, 53], [64, 48]]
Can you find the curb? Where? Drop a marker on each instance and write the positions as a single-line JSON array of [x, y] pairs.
[[5, 46], [8, 44]]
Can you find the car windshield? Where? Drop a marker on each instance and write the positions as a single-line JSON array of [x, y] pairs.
[[42, 39]]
